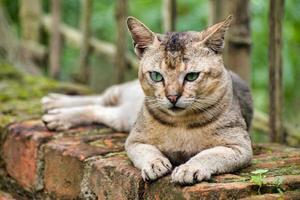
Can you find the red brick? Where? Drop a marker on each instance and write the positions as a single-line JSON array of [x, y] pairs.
[[64, 160], [21, 152], [115, 178]]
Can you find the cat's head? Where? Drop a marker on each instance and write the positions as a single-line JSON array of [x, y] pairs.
[[179, 70]]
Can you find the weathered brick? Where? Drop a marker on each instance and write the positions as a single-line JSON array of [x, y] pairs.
[[164, 188], [279, 157], [21, 152], [289, 195], [94, 156], [64, 160], [5, 196], [115, 178]]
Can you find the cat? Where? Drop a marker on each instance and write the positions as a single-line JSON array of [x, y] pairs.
[[188, 111]]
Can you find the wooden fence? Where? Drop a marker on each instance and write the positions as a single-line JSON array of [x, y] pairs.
[[236, 55]]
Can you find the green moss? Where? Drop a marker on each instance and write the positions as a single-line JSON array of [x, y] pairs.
[[9, 72], [285, 170], [20, 94], [15, 85], [94, 131], [288, 170]]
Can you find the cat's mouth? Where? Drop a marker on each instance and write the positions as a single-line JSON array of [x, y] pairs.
[[176, 109]]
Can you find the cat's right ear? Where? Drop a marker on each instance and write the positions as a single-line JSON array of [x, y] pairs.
[[141, 35]]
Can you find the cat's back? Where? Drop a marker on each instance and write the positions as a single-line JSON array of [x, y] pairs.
[[242, 93]]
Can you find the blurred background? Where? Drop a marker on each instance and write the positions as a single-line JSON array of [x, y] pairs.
[[87, 42]]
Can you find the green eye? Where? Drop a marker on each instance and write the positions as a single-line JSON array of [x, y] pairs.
[[155, 76], [192, 76]]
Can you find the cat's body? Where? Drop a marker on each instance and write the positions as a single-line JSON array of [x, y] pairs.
[[190, 112], [117, 108]]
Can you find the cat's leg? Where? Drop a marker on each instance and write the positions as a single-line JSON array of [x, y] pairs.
[[216, 160], [110, 96], [65, 118], [53, 101], [149, 159]]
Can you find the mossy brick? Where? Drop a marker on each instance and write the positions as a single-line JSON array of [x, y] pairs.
[[21, 152], [278, 158], [65, 159], [289, 195], [220, 190], [115, 178]]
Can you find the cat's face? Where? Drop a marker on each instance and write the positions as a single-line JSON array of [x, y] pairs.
[[179, 71]]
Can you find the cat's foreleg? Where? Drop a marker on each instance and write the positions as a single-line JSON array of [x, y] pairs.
[[152, 163], [65, 118], [220, 159]]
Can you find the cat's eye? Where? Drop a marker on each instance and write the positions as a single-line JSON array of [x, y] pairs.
[[192, 76], [156, 76]]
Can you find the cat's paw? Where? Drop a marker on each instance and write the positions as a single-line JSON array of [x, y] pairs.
[[189, 174], [59, 119], [53, 101], [156, 169]]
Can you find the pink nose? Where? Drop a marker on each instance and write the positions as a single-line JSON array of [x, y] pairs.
[[173, 98]]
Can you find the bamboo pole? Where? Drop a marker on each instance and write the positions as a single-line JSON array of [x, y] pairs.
[[169, 15], [216, 9], [121, 43], [30, 13], [85, 47], [30, 16], [261, 123], [74, 37], [55, 39], [238, 39], [275, 70], [11, 49]]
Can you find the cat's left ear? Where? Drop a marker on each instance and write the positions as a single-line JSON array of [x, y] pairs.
[[213, 36], [141, 35]]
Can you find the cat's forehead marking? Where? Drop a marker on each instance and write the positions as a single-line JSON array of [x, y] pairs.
[[174, 41], [174, 45]]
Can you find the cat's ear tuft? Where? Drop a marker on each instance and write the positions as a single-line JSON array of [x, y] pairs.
[[141, 35], [213, 36]]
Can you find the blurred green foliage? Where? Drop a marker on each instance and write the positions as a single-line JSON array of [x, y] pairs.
[[192, 15]]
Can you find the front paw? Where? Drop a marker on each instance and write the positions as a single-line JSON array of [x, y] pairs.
[[156, 169], [189, 174], [58, 119]]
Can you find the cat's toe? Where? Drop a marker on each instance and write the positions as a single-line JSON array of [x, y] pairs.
[[188, 174], [156, 169]]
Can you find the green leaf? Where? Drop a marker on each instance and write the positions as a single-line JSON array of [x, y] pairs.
[[257, 180], [260, 171]]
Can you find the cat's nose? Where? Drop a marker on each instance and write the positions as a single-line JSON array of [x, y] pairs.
[[173, 98]]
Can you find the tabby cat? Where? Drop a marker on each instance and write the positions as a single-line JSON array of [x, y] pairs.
[[186, 111]]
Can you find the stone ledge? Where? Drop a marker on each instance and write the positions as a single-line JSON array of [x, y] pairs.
[[90, 163]]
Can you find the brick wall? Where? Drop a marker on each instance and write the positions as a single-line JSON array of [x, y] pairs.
[[90, 163]]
